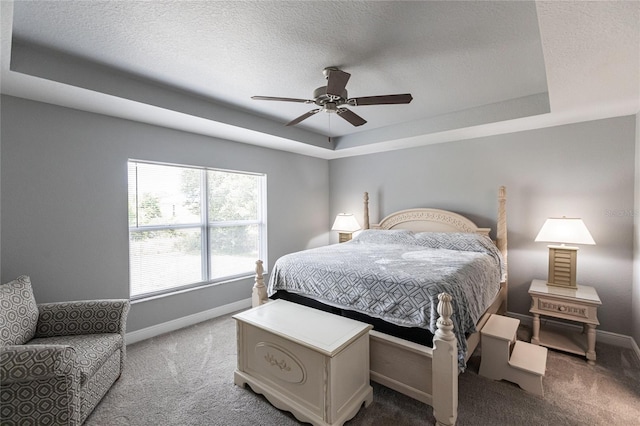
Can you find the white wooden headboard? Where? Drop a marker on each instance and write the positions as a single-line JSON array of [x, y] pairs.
[[429, 220]]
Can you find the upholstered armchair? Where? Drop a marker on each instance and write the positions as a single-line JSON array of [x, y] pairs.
[[57, 360]]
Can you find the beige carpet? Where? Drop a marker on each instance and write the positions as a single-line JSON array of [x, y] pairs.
[[186, 378]]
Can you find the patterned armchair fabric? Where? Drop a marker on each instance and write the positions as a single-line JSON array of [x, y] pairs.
[[56, 367], [19, 312]]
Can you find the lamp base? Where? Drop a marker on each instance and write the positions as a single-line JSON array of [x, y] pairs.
[[562, 266], [572, 287]]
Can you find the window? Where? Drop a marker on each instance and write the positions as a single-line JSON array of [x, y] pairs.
[[191, 226]]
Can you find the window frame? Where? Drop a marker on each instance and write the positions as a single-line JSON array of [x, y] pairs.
[[204, 226]]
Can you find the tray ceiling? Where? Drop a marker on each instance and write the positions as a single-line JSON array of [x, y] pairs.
[[197, 63]]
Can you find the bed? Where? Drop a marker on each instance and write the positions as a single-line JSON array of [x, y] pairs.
[[398, 275]]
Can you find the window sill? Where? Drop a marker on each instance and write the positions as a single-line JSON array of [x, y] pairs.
[[190, 289]]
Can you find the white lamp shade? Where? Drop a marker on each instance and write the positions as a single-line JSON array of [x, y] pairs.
[[565, 230], [345, 222]]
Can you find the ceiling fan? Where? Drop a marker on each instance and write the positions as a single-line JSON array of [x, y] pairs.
[[333, 96]]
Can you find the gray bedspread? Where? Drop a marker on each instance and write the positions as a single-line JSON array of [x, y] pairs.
[[397, 276]]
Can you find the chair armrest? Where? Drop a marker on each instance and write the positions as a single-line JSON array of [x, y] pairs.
[[24, 363], [82, 317]]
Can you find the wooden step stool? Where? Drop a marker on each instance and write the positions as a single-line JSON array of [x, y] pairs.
[[506, 358]]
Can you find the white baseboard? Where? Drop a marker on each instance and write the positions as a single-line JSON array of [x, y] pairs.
[[176, 324], [601, 336]]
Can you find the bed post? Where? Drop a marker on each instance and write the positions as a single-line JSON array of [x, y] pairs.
[[259, 294], [501, 235], [365, 224], [445, 365]]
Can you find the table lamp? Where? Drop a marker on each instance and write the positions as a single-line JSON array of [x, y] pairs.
[[345, 224], [562, 258]]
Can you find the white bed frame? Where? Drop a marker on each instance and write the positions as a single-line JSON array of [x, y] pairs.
[[429, 375]]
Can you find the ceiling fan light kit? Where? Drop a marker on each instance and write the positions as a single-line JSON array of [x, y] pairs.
[[333, 96]]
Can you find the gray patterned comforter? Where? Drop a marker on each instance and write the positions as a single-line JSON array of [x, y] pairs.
[[397, 276]]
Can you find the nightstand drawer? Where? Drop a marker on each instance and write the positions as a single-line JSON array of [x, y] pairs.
[[579, 311], [562, 308]]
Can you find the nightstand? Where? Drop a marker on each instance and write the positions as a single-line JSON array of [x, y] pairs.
[[579, 305]]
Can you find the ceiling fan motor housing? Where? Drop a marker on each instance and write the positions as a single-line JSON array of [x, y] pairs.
[[322, 98]]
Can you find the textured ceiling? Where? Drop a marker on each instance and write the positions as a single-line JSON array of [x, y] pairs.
[[466, 63]]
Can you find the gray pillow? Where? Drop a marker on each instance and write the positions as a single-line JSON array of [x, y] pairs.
[[18, 312], [462, 241], [385, 236]]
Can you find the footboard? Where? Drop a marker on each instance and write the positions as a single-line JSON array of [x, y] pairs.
[[429, 375]]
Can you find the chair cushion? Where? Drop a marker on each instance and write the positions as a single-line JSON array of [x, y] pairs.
[[92, 350], [18, 312]]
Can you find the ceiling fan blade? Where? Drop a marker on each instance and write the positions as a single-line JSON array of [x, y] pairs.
[[351, 116], [304, 116], [336, 82], [271, 98], [381, 100]]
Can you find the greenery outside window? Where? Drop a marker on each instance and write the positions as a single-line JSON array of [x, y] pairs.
[[192, 226]]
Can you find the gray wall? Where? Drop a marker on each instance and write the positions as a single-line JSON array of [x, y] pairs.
[[64, 203], [582, 170], [63, 197]]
